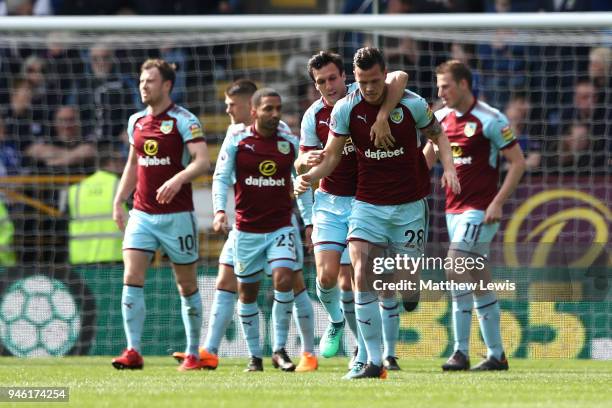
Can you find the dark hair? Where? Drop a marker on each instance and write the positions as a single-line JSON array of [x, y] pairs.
[[323, 58], [241, 87], [457, 69], [367, 57], [263, 93], [166, 70]]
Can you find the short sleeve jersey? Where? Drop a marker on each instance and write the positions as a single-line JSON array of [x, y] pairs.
[[160, 143], [313, 135], [386, 177], [262, 167], [476, 137]]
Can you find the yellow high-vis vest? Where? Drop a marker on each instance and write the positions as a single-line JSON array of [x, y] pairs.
[[94, 236], [7, 231]]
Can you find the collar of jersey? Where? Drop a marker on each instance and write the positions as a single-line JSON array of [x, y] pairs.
[[162, 112], [259, 135], [462, 115]]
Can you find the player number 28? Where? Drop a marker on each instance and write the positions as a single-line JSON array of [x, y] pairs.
[[419, 235]]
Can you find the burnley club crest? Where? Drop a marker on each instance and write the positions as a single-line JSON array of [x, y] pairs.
[[470, 129], [166, 126], [284, 147]]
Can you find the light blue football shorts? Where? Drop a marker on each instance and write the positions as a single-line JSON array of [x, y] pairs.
[[330, 218], [468, 232], [227, 253], [175, 233], [253, 251], [401, 227]]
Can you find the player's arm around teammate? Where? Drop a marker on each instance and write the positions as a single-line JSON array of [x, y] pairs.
[[335, 194], [396, 82], [332, 87]]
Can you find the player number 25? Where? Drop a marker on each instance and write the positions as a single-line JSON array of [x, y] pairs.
[[281, 240]]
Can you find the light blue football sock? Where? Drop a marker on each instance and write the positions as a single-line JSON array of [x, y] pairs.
[[389, 313], [330, 300], [249, 320], [133, 312], [370, 325], [348, 309], [191, 312], [462, 319], [487, 308], [281, 317], [303, 315], [221, 313]]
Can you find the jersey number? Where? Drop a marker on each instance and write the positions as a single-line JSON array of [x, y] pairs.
[[411, 234], [280, 240], [187, 242], [472, 232]]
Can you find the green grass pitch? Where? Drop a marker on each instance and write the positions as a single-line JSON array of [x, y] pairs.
[[529, 383]]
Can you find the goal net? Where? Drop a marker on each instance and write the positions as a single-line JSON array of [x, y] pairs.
[[63, 91]]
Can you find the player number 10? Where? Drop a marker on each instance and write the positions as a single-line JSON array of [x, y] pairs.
[[187, 242]]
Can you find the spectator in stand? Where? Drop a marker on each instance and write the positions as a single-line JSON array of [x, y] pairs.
[[578, 152], [518, 111], [600, 71], [417, 58], [10, 158], [40, 237], [21, 130], [68, 152], [45, 96], [584, 109], [104, 98], [600, 61], [351, 41], [63, 65], [503, 63]]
